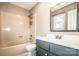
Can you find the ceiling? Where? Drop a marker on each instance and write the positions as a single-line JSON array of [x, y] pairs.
[[25, 5]]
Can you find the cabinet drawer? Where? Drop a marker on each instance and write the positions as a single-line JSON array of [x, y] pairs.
[[64, 51]]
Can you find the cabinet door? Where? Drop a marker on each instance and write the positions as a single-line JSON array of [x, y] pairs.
[[64, 51], [41, 52], [52, 48], [51, 54], [43, 44], [38, 52], [77, 53]]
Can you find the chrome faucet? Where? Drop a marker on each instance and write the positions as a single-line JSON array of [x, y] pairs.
[[58, 37]]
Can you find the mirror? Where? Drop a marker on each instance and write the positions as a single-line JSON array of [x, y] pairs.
[[64, 17], [59, 22], [72, 19]]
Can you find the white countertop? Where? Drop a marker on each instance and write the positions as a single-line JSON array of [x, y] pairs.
[[73, 43]]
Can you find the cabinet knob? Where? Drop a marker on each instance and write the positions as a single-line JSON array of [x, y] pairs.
[[45, 54]]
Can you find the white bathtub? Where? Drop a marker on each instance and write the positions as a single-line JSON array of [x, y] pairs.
[[13, 50]]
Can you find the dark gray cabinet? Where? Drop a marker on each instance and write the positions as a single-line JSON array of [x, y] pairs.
[[62, 50], [51, 49]]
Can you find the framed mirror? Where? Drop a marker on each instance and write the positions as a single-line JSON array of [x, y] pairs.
[[64, 19]]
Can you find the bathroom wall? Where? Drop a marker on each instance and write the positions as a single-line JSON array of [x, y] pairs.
[[42, 11], [43, 20], [0, 28], [14, 25]]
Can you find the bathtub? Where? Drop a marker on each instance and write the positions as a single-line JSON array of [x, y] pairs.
[[16, 50]]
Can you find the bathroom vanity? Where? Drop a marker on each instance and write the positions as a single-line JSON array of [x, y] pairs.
[[51, 48], [64, 17]]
